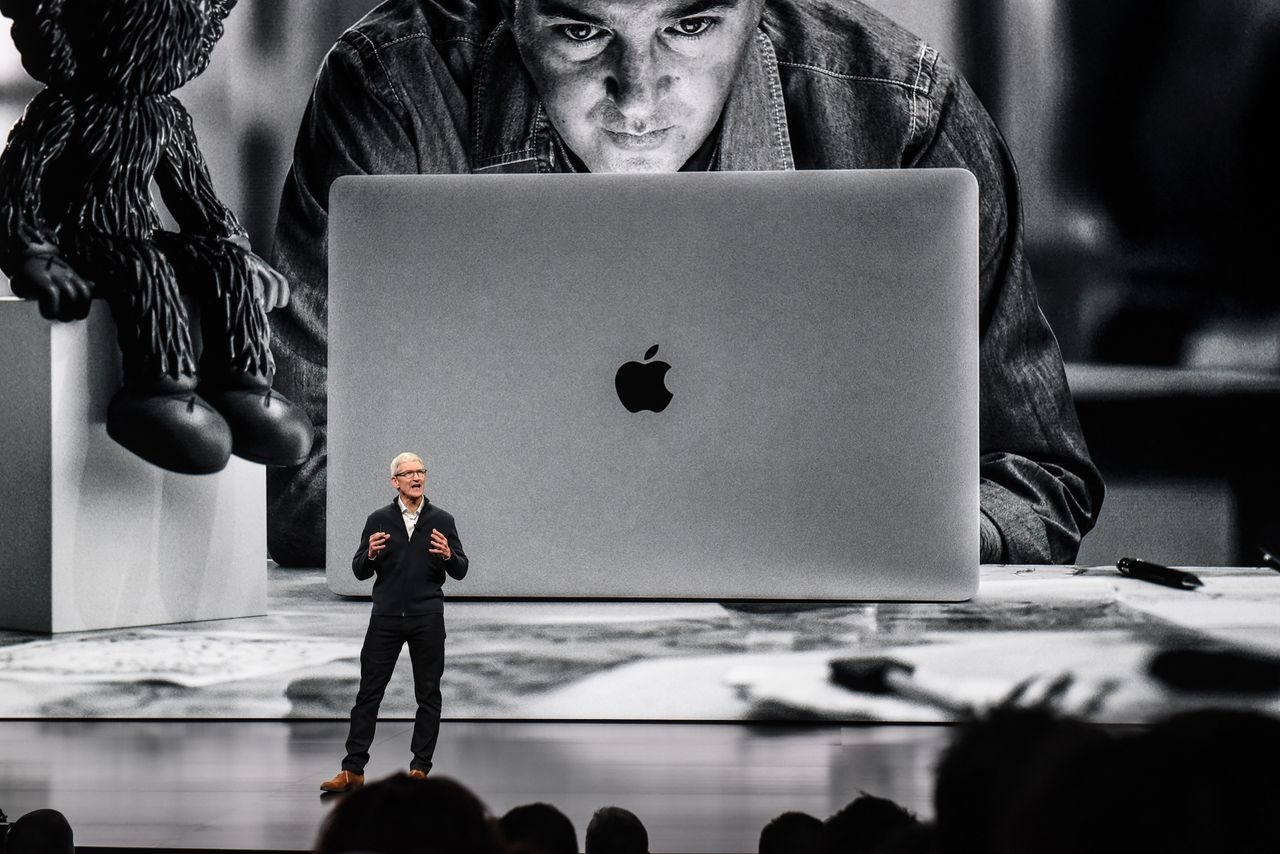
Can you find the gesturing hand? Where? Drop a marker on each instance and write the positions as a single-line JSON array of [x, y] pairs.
[[377, 542], [439, 545]]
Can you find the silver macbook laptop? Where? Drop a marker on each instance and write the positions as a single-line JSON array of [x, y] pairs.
[[695, 386]]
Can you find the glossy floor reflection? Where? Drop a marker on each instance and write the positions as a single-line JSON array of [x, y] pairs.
[[255, 784]]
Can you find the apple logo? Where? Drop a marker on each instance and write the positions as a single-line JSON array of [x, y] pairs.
[[641, 385]]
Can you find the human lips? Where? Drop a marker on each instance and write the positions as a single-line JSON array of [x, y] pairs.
[[646, 141]]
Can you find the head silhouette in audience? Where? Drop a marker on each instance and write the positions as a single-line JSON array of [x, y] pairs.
[[614, 830], [865, 826], [792, 833], [539, 829], [991, 767], [1195, 782], [39, 832], [400, 815]]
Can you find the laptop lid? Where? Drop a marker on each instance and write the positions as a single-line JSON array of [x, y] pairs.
[[706, 386]]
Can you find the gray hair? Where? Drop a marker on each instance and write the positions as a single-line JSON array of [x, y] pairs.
[[403, 458]]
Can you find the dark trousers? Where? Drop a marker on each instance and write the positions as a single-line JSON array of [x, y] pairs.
[[382, 643]]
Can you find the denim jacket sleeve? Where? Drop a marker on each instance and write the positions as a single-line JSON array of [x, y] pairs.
[[360, 119], [1038, 484], [353, 124]]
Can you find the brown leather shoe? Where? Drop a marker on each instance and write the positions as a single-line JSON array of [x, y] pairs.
[[417, 774], [342, 782]]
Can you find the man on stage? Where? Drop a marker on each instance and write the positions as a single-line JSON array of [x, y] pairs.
[[410, 544]]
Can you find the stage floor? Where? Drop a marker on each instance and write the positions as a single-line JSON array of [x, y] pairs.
[[217, 735], [255, 784]]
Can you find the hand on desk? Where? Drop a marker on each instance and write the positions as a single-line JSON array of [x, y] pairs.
[[1055, 694], [62, 293], [991, 544]]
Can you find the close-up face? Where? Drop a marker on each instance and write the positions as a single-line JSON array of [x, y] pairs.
[[634, 85], [409, 479]]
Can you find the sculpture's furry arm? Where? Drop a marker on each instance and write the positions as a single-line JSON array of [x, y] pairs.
[[185, 185], [36, 141], [188, 193]]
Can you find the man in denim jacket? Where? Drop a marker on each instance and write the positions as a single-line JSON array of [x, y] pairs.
[[452, 86]]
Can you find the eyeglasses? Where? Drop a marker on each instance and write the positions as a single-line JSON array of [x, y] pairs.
[[412, 473]]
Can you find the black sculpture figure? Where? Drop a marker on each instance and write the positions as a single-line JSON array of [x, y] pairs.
[[79, 222]]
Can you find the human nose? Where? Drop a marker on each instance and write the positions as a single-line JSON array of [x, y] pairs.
[[636, 84]]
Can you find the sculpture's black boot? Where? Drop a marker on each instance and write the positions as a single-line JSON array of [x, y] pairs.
[[236, 364], [265, 426], [157, 414], [170, 427]]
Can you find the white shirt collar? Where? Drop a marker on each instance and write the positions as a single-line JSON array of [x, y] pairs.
[[404, 508]]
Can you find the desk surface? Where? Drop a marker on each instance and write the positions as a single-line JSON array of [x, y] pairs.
[[1028, 627]]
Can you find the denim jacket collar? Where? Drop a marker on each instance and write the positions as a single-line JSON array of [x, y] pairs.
[[512, 132]]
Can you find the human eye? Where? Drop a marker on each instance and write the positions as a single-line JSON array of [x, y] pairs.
[[580, 33], [693, 27]]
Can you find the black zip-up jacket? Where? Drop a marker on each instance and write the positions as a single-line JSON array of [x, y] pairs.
[[410, 578]]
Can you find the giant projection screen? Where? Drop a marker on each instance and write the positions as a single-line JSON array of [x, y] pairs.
[[579, 660]]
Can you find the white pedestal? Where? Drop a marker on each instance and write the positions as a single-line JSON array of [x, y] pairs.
[[92, 537]]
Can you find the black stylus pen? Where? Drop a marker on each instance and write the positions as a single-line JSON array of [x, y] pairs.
[[1157, 574]]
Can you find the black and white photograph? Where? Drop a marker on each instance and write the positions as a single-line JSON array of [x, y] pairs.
[[628, 426]]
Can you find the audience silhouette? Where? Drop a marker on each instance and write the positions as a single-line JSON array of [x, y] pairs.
[[866, 825], [538, 829], [1196, 782], [38, 832], [792, 833], [993, 764], [1016, 780], [614, 830], [402, 815]]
